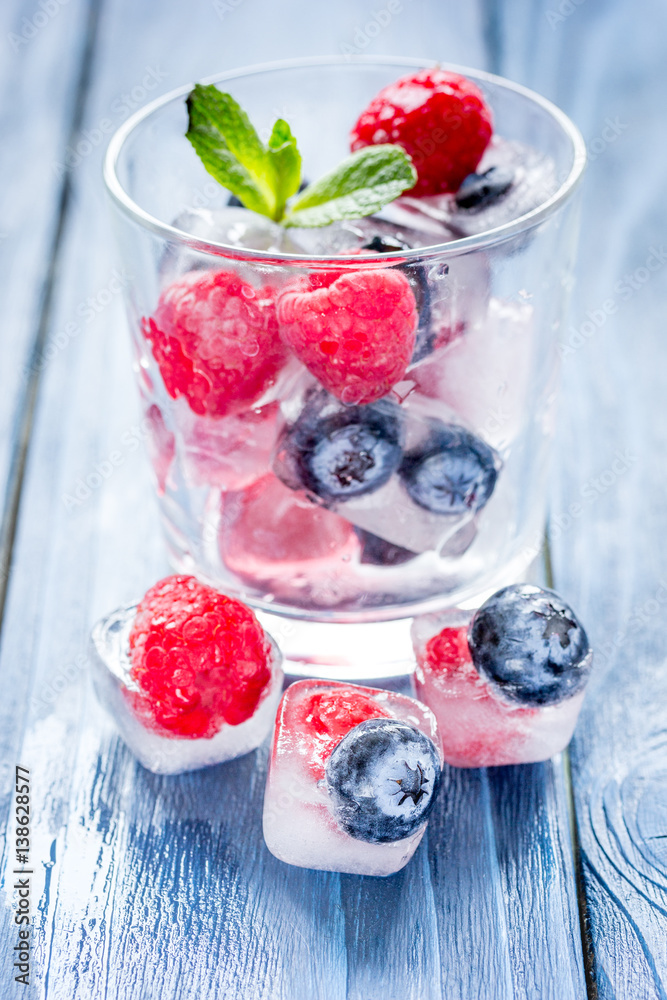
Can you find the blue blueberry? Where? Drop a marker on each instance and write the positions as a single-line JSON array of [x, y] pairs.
[[529, 643], [452, 472], [339, 452], [383, 779], [378, 551], [479, 190]]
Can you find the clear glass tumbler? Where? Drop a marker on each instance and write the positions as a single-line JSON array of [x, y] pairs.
[[237, 422]]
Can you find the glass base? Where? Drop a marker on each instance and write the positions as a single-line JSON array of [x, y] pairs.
[[378, 646]]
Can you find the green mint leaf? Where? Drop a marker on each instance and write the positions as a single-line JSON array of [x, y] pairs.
[[285, 160], [230, 149], [359, 186]]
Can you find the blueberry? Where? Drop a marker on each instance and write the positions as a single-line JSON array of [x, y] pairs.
[[480, 190], [383, 778], [452, 472], [339, 452], [529, 643], [379, 552]]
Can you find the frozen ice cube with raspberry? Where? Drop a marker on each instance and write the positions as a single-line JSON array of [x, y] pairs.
[[353, 776], [189, 676], [215, 340], [276, 538], [353, 330], [506, 682]]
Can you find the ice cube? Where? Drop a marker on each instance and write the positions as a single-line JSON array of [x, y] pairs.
[[534, 181], [313, 817], [276, 537], [116, 689], [233, 226], [379, 467], [484, 375], [479, 726], [229, 452]]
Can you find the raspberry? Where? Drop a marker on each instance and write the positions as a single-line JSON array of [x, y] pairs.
[[448, 653], [439, 118], [215, 339], [356, 335], [200, 659], [323, 719]]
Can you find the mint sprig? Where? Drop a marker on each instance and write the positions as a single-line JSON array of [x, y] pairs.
[[265, 177]]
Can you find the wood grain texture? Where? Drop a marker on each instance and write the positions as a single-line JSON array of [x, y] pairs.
[[39, 75], [151, 887], [605, 65]]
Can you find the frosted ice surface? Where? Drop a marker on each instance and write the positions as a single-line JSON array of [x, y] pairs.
[[162, 754], [484, 375]]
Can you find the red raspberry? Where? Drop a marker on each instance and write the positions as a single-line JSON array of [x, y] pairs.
[[356, 335], [215, 339], [323, 719], [201, 659], [448, 654], [440, 119]]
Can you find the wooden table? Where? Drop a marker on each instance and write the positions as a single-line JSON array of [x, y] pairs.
[[546, 881]]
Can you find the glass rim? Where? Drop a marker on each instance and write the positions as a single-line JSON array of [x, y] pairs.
[[453, 247]]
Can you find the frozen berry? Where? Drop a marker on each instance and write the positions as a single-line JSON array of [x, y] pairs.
[[272, 535], [452, 472], [215, 339], [439, 118], [324, 718], [479, 190], [200, 659], [529, 643], [341, 452], [383, 778], [356, 335]]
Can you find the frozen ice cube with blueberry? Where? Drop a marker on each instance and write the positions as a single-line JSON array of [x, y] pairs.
[[506, 683], [399, 473], [511, 180], [188, 675], [353, 777]]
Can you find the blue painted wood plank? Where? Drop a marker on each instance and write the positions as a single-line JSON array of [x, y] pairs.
[[39, 73], [606, 66], [162, 887]]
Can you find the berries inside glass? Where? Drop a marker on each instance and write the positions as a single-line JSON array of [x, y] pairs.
[[352, 423]]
